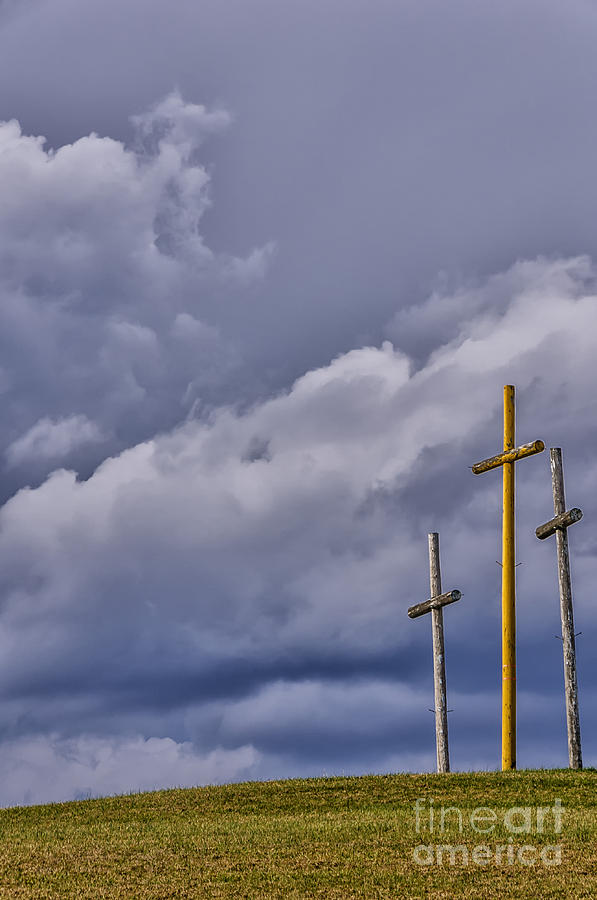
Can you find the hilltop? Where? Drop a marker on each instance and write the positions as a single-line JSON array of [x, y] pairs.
[[325, 837]]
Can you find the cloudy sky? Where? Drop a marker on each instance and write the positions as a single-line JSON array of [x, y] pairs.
[[264, 269]]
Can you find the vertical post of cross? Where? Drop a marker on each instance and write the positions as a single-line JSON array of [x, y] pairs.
[[435, 606], [439, 659], [506, 460], [508, 591], [559, 526]]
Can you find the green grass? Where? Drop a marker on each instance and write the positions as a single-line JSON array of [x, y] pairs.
[[325, 837]]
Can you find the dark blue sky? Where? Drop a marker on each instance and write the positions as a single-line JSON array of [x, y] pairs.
[[260, 289]]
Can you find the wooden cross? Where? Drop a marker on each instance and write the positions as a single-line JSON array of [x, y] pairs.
[[559, 526], [507, 459], [435, 607]]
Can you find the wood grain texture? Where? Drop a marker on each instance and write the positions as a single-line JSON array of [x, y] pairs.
[[567, 616], [510, 455], [434, 603], [439, 661], [563, 520]]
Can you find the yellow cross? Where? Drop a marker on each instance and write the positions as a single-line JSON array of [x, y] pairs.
[[507, 459]]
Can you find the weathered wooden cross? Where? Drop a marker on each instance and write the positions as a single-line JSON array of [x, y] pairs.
[[507, 459], [435, 606], [559, 526]]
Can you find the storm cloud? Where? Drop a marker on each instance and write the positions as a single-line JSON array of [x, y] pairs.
[[261, 285]]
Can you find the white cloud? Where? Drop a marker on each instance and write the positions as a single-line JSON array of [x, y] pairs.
[[48, 440], [102, 260], [52, 769], [172, 123]]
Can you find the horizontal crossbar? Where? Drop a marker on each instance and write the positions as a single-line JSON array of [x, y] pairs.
[[435, 603], [562, 521], [508, 456]]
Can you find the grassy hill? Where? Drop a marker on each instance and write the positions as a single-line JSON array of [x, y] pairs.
[[327, 837]]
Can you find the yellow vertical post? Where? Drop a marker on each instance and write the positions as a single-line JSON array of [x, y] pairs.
[[508, 593], [507, 459]]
